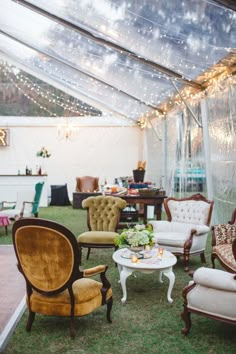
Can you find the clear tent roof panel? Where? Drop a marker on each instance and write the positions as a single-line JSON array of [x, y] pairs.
[[87, 88], [186, 36], [111, 67]]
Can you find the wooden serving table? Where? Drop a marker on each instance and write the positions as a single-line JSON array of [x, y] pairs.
[[146, 201]]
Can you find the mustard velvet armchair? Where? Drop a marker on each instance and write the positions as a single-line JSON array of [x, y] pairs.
[[103, 216], [48, 258], [87, 184]]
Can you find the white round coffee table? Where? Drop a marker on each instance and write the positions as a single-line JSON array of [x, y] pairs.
[[126, 267]]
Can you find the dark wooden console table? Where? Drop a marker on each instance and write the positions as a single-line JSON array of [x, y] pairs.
[[78, 197], [155, 201]]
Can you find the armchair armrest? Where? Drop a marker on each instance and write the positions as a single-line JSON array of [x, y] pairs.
[[5, 204], [101, 269], [214, 278], [160, 226], [23, 208], [172, 226], [94, 271], [201, 229]]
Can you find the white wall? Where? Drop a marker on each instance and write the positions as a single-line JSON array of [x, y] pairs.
[[106, 152]]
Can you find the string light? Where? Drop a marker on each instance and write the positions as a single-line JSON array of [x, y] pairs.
[[45, 94]]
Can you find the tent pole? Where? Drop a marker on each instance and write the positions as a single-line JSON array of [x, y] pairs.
[[206, 146], [186, 104], [163, 155]]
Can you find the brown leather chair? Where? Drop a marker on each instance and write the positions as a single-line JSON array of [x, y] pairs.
[[48, 258], [87, 184]]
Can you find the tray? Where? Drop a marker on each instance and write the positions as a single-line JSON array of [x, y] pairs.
[[142, 255]]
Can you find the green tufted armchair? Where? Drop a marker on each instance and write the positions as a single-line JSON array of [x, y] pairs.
[[103, 215], [48, 258]]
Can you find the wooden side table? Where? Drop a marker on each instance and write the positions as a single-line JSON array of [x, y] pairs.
[[4, 221]]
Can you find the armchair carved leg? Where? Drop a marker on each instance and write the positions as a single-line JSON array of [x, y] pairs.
[[72, 326], [187, 319], [80, 254], [213, 261], [203, 258], [186, 260], [30, 321], [88, 253], [109, 307]]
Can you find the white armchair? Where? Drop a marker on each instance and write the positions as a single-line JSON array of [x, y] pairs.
[[185, 233], [211, 293]]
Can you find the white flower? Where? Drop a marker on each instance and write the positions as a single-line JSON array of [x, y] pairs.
[[139, 227], [140, 235]]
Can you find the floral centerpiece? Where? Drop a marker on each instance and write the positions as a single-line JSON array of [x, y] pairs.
[[43, 153], [138, 236]]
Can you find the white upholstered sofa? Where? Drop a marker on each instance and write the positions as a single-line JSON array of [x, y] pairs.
[[186, 229]]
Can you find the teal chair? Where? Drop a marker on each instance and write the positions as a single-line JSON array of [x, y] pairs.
[[37, 197], [26, 205]]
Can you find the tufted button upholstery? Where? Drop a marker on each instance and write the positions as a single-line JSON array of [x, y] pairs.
[[103, 219], [189, 211], [103, 212], [187, 227]]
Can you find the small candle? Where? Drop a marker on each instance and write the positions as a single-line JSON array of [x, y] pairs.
[[160, 253], [134, 258]]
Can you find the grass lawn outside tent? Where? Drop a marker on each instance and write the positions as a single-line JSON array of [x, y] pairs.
[[145, 324]]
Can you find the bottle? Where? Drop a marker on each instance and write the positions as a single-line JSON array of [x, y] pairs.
[[39, 171], [26, 170]]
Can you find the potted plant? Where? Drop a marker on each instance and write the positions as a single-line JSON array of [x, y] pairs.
[[135, 238]]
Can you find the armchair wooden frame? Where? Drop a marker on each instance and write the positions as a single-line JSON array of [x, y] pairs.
[[188, 243], [231, 236], [106, 232], [186, 314], [39, 233]]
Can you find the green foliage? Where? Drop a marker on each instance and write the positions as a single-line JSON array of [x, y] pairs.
[[146, 324], [139, 235]]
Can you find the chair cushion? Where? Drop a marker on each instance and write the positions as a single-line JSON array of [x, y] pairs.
[[102, 237], [225, 254], [213, 302], [12, 213], [176, 239], [87, 298]]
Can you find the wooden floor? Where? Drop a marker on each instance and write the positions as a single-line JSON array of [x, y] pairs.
[[12, 293]]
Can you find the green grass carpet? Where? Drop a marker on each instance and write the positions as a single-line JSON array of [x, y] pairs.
[[146, 324]]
